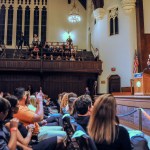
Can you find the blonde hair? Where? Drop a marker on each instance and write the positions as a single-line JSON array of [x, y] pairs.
[[33, 100], [102, 125], [64, 101]]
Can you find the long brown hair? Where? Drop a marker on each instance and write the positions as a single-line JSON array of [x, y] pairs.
[[102, 125]]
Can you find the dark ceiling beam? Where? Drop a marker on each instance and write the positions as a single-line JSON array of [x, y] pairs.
[[83, 2], [98, 3]]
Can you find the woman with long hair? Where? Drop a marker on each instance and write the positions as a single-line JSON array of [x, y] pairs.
[[104, 129]]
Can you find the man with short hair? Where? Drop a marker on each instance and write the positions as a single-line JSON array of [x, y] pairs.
[[27, 116], [83, 106]]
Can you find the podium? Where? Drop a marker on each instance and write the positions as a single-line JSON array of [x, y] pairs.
[[142, 84]]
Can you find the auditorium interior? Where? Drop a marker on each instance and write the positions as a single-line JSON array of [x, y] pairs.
[[63, 51]]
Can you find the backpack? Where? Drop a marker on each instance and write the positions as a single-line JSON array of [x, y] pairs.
[[139, 143]]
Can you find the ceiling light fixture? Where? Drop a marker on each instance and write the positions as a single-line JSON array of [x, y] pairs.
[[74, 16]]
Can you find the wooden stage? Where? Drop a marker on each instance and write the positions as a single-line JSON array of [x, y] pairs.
[[129, 103]]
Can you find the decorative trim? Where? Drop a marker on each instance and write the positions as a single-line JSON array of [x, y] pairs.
[[128, 5]]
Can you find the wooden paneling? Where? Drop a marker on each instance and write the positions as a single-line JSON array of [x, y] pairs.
[[143, 44], [55, 77]]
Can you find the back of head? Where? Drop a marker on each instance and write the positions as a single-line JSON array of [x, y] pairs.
[[102, 121], [82, 104], [13, 100], [4, 105], [19, 93]]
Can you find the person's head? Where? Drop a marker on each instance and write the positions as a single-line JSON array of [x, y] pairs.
[[83, 105], [102, 124], [33, 100], [20, 94], [13, 100], [4, 108], [71, 101]]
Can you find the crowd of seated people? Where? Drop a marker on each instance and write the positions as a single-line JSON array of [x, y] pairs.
[[29, 118], [52, 51]]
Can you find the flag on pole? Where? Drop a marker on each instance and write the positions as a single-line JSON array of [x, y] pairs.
[[136, 63]]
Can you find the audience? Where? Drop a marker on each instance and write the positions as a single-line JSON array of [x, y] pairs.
[[104, 129], [98, 121]]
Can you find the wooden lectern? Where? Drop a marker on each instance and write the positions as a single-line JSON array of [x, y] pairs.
[[141, 84]]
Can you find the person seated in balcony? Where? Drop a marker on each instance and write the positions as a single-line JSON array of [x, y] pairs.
[[51, 58], [72, 58], [31, 57], [104, 129], [46, 45], [67, 58], [35, 40], [44, 57], [36, 49], [58, 58]]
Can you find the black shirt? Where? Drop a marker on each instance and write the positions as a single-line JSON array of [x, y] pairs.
[[122, 141], [83, 121]]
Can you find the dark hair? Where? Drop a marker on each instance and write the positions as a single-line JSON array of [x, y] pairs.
[[13, 100], [19, 92], [4, 105], [82, 104]]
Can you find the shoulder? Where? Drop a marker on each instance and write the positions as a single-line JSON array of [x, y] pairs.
[[123, 131]]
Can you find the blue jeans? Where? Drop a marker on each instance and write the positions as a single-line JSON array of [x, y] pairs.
[[51, 131]]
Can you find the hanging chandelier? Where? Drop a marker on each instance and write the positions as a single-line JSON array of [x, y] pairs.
[[74, 16]]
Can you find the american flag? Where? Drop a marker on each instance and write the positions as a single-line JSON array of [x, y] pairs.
[[136, 64]]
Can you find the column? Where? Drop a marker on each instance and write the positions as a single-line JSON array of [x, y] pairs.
[[6, 21]]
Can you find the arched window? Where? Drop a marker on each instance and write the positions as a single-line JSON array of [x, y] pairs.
[[10, 25], [2, 23], [27, 26], [36, 21], [43, 25], [113, 21], [19, 23]]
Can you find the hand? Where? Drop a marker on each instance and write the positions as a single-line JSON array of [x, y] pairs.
[[14, 123], [39, 98], [44, 122], [30, 127]]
